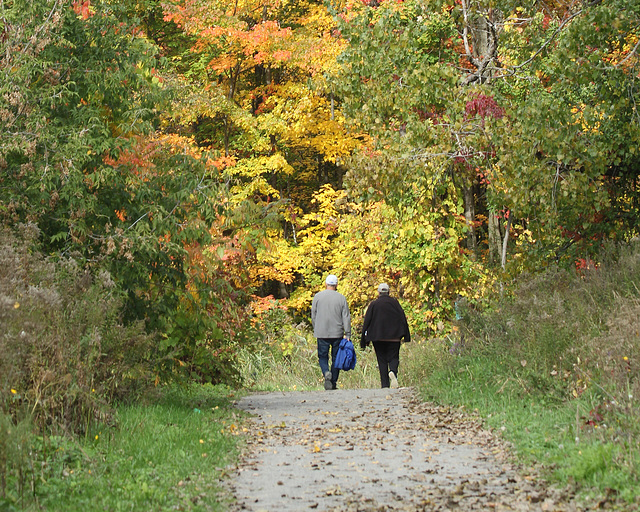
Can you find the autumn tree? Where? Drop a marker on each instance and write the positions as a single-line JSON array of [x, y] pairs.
[[81, 158], [400, 85], [257, 97], [567, 163], [524, 111]]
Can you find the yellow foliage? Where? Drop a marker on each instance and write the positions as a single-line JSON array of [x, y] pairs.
[[588, 116], [257, 186], [278, 261], [254, 167], [301, 300], [320, 228], [307, 120]]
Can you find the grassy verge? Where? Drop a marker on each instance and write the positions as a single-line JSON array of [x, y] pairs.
[[166, 454], [553, 365], [596, 460]]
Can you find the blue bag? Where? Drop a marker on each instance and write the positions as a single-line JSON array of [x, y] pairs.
[[345, 356]]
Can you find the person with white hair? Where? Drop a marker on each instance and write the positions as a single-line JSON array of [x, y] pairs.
[[331, 321], [385, 325]]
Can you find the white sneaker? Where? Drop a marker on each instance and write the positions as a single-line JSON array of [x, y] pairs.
[[327, 380], [393, 380]]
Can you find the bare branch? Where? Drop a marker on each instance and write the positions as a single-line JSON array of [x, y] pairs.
[[465, 33], [548, 41], [631, 54]]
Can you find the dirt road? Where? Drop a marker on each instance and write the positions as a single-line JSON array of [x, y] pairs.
[[376, 450]]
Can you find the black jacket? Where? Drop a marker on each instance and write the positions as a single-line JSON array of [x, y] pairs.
[[384, 321]]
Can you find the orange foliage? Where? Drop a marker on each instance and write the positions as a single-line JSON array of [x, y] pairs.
[[260, 305], [139, 159], [82, 8], [223, 162], [264, 42]]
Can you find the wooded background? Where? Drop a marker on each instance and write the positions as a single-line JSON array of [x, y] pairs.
[[213, 159]]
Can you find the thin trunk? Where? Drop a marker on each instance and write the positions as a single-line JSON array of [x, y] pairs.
[[233, 79], [495, 238], [469, 215], [232, 91], [332, 107], [226, 135], [505, 241]]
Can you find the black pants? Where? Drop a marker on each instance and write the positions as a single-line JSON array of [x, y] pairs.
[[388, 355]]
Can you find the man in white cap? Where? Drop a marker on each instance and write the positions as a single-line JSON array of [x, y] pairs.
[[331, 322], [385, 325]]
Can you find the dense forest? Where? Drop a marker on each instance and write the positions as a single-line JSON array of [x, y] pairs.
[[183, 166]]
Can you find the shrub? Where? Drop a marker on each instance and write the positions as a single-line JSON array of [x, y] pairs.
[[64, 353]]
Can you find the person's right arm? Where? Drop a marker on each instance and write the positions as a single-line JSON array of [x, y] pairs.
[[346, 320], [405, 324]]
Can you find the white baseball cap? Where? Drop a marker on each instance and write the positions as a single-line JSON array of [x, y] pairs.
[[332, 280]]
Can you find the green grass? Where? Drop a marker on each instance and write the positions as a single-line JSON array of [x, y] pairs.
[[166, 454], [552, 365], [552, 435], [551, 362]]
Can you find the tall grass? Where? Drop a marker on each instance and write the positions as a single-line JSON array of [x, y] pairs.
[[65, 355], [269, 368], [287, 360], [555, 366]]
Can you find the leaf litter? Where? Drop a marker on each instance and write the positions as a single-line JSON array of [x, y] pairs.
[[369, 450]]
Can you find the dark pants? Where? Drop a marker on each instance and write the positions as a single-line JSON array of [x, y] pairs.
[[323, 357], [388, 355]]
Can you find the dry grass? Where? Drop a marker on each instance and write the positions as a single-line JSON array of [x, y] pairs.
[[64, 353], [269, 369]]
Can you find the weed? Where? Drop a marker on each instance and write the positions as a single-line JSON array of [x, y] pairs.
[[552, 364], [65, 357]]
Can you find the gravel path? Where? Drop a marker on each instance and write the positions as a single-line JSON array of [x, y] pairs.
[[376, 450]]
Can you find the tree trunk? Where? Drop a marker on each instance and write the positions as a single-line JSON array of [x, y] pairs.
[[480, 38], [282, 290], [469, 215], [232, 91], [227, 135], [495, 238], [503, 260]]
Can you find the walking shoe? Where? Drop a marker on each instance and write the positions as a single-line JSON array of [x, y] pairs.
[[327, 380], [393, 380]]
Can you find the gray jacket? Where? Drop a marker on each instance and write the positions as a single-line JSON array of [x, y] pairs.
[[330, 315]]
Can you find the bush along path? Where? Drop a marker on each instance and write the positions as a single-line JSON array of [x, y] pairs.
[[377, 450]]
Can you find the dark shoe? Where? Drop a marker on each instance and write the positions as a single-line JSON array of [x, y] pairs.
[[327, 381]]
